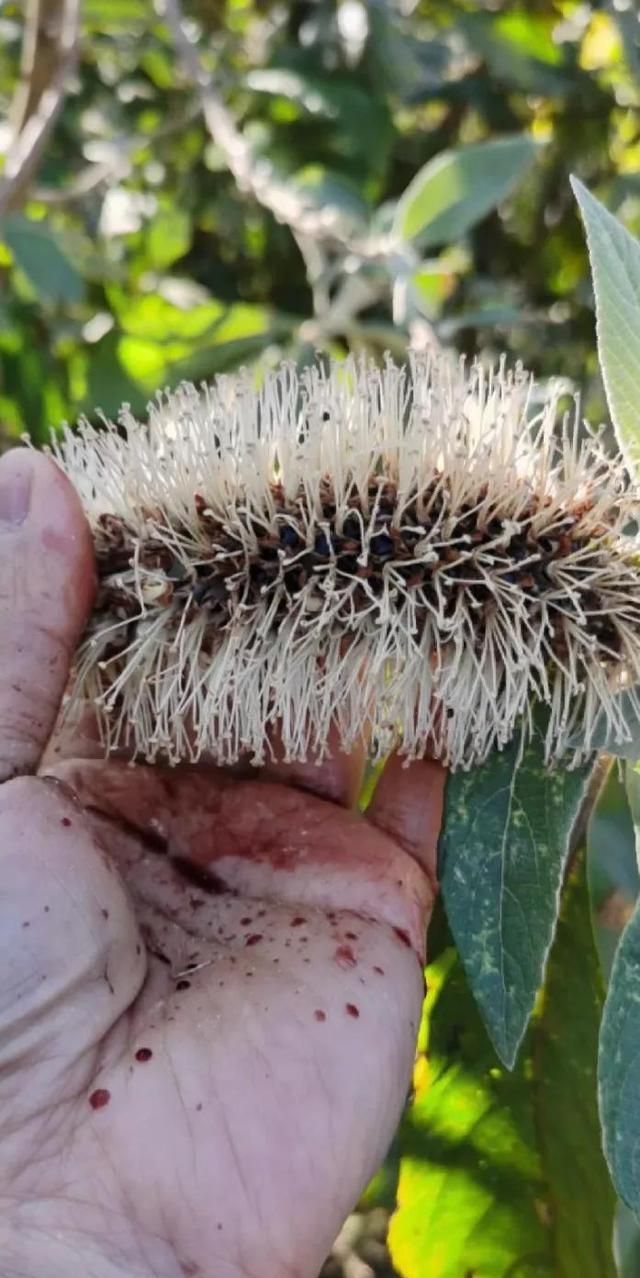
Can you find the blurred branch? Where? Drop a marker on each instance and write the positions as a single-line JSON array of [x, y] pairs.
[[117, 166], [260, 180], [48, 55]]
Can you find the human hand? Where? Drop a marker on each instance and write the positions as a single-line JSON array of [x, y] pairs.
[[210, 985]]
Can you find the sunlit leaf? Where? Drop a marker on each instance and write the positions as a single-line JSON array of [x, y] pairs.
[[615, 265], [458, 188], [168, 237], [503, 851], [519, 47], [501, 1173]]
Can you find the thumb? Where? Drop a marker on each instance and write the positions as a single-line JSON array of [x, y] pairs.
[[71, 957], [46, 589]]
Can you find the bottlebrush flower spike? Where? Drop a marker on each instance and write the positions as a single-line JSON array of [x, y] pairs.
[[399, 551]]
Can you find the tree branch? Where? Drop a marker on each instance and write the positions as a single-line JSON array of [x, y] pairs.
[[49, 53], [328, 225]]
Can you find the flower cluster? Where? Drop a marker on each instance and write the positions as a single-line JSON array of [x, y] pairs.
[[413, 553]]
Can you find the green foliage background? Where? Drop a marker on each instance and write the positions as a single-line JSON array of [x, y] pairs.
[[387, 173], [140, 261]]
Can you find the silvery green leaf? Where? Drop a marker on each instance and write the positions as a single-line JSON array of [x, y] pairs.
[[615, 267], [619, 1067], [503, 853]]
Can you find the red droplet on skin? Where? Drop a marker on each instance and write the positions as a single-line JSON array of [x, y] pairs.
[[379, 970], [144, 1054], [65, 821], [352, 1010], [245, 922], [254, 939], [319, 1015], [99, 1098], [345, 957], [298, 921], [403, 936], [351, 936], [183, 985]]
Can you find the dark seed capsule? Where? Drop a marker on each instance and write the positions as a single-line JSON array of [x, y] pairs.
[[210, 590], [381, 545], [321, 545], [352, 528], [289, 537]]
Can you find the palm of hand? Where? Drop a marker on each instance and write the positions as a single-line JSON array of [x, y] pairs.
[[198, 1071]]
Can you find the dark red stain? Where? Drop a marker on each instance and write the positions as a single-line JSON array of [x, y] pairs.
[[105, 914], [99, 1098], [198, 876], [66, 821], [144, 1054], [190, 1269], [403, 936], [352, 1010], [379, 970], [319, 1015], [183, 985], [246, 921], [298, 921], [261, 914], [254, 939], [196, 902], [345, 957], [351, 936]]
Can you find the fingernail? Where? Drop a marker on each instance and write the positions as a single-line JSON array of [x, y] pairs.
[[15, 488]]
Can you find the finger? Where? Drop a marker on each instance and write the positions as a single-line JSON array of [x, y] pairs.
[[407, 805], [76, 735], [262, 840], [71, 957], [46, 589], [337, 777]]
